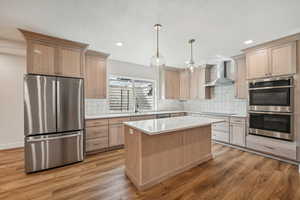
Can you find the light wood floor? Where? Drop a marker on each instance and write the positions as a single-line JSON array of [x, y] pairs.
[[232, 174]]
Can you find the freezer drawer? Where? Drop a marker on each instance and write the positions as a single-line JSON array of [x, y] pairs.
[[69, 104], [48, 151], [39, 105]]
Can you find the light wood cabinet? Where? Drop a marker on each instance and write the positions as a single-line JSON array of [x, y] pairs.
[[116, 135], [238, 134], [257, 64], [40, 58], [172, 84], [273, 59], [240, 77], [96, 135], [95, 75], [47, 55], [194, 83], [283, 59], [69, 63], [184, 79]]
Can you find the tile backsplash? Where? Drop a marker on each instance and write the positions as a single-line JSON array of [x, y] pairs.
[[223, 101], [100, 106]]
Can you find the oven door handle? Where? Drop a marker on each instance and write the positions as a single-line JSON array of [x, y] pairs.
[[276, 87], [274, 113]]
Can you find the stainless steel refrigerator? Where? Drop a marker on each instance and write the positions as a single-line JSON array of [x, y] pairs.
[[54, 121]]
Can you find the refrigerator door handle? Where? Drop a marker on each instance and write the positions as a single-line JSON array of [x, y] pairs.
[[54, 138]]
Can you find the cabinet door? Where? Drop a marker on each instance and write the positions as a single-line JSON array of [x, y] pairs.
[[95, 77], [172, 85], [203, 92], [184, 77], [116, 135], [194, 87], [257, 64], [41, 58], [238, 134], [283, 59], [69, 63], [240, 78]]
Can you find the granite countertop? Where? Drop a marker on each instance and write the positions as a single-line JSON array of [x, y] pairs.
[[131, 114], [165, 125]]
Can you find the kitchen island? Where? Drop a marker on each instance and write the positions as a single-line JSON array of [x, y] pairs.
[[161, 148]]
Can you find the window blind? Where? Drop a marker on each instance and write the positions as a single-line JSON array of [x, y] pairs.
[[125, 94]]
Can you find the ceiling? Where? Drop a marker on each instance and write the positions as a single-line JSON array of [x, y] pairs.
[[219, 27]]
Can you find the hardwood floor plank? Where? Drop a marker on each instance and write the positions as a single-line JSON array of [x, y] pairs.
[[232, 174]]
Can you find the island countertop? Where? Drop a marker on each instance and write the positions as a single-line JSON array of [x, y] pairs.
[[165, 125]]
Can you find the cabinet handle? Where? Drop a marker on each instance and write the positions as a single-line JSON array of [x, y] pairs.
[[269, 147]]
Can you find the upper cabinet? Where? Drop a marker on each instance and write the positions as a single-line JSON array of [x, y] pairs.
[[172, 83], [283, 59], [240, 77], [95, 75], [257, 64], [184, 80], [275, 58], [48, 55], [40, 58], [192, 84]]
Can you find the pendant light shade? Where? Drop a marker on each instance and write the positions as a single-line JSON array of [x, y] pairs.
[[157, 60], [191, 63]]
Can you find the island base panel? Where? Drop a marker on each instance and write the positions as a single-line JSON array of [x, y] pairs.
[[150, 159]]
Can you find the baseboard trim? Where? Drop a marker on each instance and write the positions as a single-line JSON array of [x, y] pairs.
[[11, 145]]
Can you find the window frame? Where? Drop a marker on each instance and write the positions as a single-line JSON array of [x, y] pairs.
[[134, 101]]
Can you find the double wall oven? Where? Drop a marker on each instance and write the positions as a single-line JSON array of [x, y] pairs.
[[271, 107]]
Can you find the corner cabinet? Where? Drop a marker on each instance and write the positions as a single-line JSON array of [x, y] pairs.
[[95, 75], [47, 55], [240, 77], [268, 61]]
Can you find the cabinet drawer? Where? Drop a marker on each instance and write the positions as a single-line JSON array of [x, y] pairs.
[[96, 132], [222, 126], [96, 122], [277, 148], [237, 120], [220, 136], [96, 144], [118, 120], [137, 118]]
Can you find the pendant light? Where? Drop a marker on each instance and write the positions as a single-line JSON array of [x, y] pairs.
[[191, 64], [157, 60]]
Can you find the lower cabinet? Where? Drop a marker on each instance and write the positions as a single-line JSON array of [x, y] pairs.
[[96, 135], [116, 135], [237, 134], [275, 147]]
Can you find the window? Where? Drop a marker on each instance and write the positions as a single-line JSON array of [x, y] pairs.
[[126, 94]]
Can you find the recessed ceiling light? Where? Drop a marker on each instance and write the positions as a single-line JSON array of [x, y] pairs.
[[119, 44], [248, 42]]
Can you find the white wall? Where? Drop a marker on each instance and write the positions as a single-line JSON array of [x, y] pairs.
[[12, 69]]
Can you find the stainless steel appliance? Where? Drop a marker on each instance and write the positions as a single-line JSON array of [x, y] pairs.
[[271, 124], [273, 94], [54, 121], [271, 107]]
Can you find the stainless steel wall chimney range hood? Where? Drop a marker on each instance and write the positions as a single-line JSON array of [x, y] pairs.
[[221, 78]]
